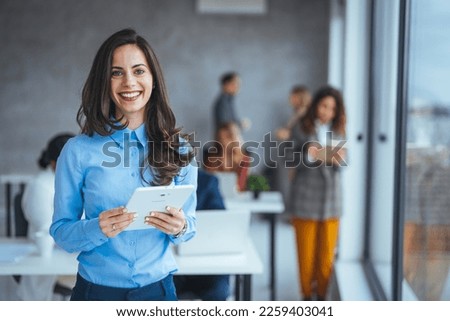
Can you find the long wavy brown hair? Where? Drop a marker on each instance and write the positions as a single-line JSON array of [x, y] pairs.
[[97, 111], [307, 122]]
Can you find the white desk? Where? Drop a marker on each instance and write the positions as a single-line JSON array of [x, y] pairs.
[[268, 204], [62, 263], [243, 266]]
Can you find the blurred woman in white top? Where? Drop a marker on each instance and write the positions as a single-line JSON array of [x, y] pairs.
[[37, 205]]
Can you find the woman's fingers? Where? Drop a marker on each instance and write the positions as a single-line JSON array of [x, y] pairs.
[[171, 222], [115, 220]]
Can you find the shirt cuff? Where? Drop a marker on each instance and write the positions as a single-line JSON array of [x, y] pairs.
[[93, 232], [190, 232]]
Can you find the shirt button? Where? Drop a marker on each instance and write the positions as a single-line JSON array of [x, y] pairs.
[[132, 243], [133, 174], [130, 265]]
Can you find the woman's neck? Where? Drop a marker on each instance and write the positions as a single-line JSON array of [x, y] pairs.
[[134, 121]]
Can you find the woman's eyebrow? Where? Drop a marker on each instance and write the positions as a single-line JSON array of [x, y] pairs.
[[138, 65]]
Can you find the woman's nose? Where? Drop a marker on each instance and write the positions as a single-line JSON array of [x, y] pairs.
[[129, 80]]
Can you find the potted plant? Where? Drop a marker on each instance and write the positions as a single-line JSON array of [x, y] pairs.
[[257, 184]]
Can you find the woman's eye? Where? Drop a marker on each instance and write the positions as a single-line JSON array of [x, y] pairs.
[[139, 71], [116, 73]]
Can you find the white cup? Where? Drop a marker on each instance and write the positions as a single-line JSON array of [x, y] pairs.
[[44, 243]]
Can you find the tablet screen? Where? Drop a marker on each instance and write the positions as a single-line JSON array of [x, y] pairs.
[[155, 199]]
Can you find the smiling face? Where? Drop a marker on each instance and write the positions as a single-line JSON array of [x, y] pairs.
[[326, 109], [131, 83]]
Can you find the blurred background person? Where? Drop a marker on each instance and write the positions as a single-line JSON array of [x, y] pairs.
[[37, 206], [316, 199], [224, 105], [233, 157], [299, 100], [280, 176]]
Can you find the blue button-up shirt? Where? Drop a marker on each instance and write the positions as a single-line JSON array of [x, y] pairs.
[[99, 173]]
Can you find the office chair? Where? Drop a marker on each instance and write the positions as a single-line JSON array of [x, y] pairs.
[[21, 230]]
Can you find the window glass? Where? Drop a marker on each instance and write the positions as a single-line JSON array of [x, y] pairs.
[[426, 258]]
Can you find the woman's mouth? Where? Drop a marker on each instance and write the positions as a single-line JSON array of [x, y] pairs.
[[130, 96]]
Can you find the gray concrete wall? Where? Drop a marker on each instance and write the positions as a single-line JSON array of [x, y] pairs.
[[48, 47]]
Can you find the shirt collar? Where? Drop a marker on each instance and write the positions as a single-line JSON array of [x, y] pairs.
[[141, 134], [138, 134]]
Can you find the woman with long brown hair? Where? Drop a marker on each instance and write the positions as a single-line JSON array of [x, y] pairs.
[[128, 139]]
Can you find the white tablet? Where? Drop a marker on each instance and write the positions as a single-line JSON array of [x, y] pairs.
[[155, 199]]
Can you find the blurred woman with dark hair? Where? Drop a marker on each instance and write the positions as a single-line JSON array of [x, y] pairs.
[[37, 201], [37, 206]]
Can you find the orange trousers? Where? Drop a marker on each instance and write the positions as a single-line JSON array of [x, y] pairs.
[[316, 243]]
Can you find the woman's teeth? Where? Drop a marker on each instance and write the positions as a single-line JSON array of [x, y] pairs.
[[130, 95]]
